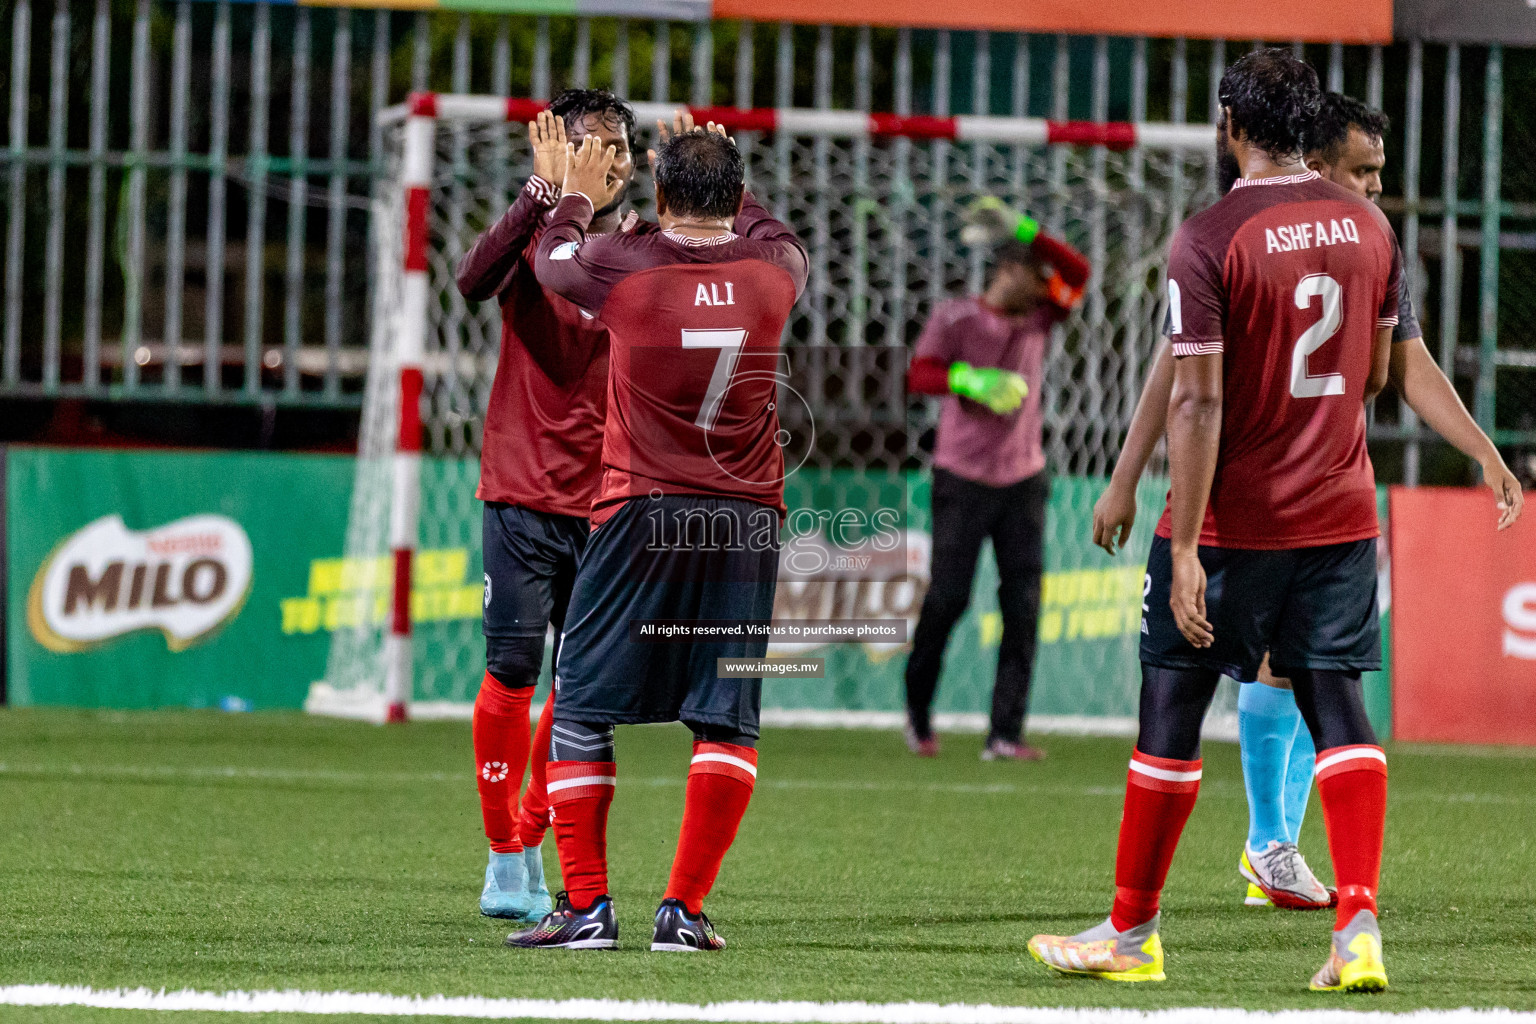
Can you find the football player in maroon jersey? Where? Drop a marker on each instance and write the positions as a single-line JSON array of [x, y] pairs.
[[1282, 298], [686, 522], [1345, 146], [538, 475]]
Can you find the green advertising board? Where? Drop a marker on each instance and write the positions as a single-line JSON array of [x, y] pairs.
[[150, 579], [114, 557]]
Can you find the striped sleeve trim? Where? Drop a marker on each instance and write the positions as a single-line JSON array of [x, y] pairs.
[[542, 192], [1197, 348], [1386, 321], [1355, 758]]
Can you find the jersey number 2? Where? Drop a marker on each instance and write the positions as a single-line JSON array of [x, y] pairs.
[[1304, 384], [729, 343]]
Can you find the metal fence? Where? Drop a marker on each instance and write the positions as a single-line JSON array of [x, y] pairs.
[[187, 184]]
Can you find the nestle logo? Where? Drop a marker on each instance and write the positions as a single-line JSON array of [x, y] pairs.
[[185, 578]]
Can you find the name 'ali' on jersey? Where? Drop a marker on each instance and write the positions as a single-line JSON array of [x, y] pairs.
[[694, 359], [1289, 279]]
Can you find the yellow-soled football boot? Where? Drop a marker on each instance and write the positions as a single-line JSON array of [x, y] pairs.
[[1355, 962], [1135, 954]]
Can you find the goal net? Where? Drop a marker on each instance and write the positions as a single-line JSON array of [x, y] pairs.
[[879, 203]]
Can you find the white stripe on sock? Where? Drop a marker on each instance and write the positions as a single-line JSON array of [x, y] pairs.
[[742, 763], [581, 780], [1164, 774], [1355, 753]]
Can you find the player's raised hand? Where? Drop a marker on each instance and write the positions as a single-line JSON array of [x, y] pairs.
[[1506, 489], [586, 171], [1113, 516], [546, 135], [1187, 599], [682, 123]]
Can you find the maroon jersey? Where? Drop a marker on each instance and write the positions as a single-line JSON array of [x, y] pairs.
[[1289, 279], [543, 429], [694, 328]]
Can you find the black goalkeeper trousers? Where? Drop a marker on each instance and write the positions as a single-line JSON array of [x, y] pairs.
[[964, 514]]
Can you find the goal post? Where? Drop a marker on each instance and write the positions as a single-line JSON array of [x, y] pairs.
[[878, 199]]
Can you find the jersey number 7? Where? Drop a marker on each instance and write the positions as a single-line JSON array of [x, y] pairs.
[[729, 342]]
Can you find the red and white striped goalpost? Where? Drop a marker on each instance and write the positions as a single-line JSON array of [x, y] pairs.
[[410, 343], [420, 114]]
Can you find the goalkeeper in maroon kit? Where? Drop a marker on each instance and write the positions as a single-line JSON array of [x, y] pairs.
[[986, 355], [686, 524], [538, 475], [1282, 300]]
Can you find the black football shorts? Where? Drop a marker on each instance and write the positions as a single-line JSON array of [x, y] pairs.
[[678, 557], [1308, 607], [530, 566]]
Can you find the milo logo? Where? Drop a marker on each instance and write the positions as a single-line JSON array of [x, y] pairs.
[[186, 579]]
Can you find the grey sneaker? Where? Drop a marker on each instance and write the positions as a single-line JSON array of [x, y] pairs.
[[1354, 962], [1007, 750], [1281, 872], [1135, 954]]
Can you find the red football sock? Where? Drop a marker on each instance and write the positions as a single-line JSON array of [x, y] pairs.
[[580, 793], [533, 816], [1352, 782], [500, 731], [720, 781], [1159, 794]]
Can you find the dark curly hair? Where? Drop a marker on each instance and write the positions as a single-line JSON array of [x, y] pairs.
[[700, 174], [572, 105], [1273, 99], [1338, 114]]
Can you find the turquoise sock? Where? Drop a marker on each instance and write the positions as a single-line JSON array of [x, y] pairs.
[[1266, 727], [1298, 780]]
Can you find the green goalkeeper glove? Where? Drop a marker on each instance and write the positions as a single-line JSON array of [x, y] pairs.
[[990, 221], [1002, 391]]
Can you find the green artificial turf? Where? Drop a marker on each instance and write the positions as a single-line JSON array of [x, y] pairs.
[[220, 852]]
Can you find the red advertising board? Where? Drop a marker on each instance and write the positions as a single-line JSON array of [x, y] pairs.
[[1463, 619], [1360, 21]]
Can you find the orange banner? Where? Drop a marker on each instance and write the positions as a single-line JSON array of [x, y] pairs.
[[1362, 21], [1463, 619]]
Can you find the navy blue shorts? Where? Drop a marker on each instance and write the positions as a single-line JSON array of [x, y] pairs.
[[530, 567], [1308, 607], [679, 557]]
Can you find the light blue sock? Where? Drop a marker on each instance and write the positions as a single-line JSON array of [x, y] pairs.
[[1266, 728], [1298, 780]]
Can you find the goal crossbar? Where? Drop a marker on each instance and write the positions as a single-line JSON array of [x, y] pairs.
[[840, 124]]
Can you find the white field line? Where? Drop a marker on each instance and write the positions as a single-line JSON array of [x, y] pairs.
[[1211, 789], [384, 1005]]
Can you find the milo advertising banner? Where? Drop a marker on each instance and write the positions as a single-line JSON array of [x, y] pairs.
[[151, 579]]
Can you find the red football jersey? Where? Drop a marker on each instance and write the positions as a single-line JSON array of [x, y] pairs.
[[694, 328], [1289, 278], [542, 437]]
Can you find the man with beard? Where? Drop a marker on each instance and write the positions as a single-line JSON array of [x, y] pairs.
[[1345, 146], [539, 469], [1281, 302]]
